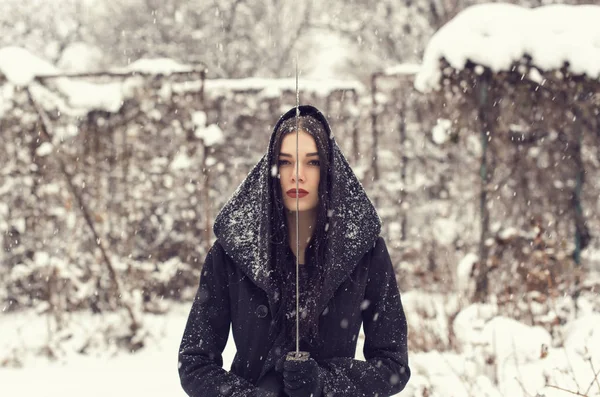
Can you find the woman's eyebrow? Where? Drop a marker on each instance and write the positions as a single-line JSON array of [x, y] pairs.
[[307, 154]]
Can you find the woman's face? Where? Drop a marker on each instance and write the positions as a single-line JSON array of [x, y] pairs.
[[308, 171]]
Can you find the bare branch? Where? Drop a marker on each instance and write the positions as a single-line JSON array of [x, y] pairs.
[[576, 393], [301, 27], [595, 377], [232, 15]]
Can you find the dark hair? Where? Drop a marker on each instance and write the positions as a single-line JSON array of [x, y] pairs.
[[318, 242]]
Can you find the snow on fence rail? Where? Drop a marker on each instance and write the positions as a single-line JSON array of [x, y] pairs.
[[75, 96], [269, 87]]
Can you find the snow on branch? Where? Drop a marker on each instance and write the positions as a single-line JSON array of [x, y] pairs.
[[498, 35], [403, 69], [163, 66]]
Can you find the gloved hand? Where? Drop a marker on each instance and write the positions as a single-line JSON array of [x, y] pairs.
[[301, 378], [270, 385]]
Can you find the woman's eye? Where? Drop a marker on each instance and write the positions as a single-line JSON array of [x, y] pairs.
[[312, 162]]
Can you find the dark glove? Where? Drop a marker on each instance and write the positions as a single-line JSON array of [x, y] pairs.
[[270, 385], [301, 378]]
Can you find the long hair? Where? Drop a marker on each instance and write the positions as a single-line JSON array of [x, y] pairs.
[[318, 243]]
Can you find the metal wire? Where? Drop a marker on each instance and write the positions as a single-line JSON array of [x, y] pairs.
[[297, 223]]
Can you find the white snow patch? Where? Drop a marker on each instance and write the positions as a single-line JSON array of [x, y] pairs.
[[7, 92], [474, 145], [44, 149], [151, 372], [445, 231], [79, 58], [20, 66], [496, 34], [83, 94], [408, 69], [210, 161], [211, 135], [20, 224], [331, 54], [470, 322], [514, 342], [441, 131], [508, 233], [199, 119], [164, 66], [429, 312], [463, 272], [583, 333], [181, 161]]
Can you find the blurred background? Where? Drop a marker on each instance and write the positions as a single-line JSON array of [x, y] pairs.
[[126, 125]]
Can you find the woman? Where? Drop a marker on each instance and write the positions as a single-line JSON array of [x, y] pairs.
[[248, 281]]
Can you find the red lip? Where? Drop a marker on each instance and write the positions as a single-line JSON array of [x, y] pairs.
[[301, 193]]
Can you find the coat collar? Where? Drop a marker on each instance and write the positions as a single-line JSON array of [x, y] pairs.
[[243, 224]]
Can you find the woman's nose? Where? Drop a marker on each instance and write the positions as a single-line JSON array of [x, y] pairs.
[[300, 174]]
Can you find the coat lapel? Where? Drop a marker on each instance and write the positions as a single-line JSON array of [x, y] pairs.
[[354, 226], [243, 224]]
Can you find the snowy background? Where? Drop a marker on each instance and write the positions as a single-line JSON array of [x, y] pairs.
[[473, 127]]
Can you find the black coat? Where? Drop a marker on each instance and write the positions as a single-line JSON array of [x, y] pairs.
[[236, 290]]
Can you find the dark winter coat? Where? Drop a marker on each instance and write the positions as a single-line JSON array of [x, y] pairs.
[[236, 290]]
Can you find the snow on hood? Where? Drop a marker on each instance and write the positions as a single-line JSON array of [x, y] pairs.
[[496, 35], [244, 221]]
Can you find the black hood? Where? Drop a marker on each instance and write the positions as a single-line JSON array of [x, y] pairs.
[[243, 224]]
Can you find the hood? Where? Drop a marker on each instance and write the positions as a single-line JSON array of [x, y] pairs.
[[243, 223]]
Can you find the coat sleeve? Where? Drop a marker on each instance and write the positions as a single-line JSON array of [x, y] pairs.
[[207, 330], [385, 371]]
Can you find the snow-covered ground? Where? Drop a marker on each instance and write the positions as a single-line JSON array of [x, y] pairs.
[[499, 357], [150, 372]]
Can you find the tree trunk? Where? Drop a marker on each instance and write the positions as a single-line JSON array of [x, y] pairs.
[[487, 132], [355, 143], [375, 143], [206, 195], [403, 164]]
